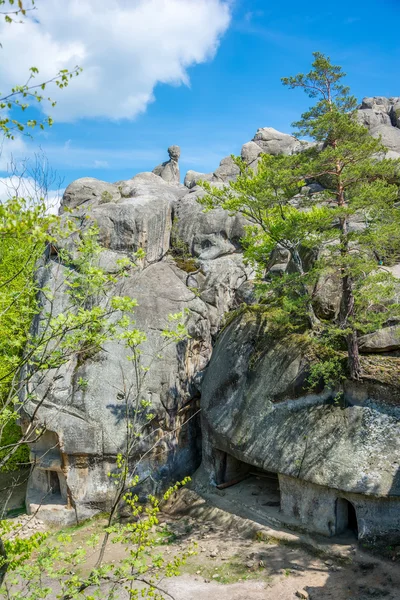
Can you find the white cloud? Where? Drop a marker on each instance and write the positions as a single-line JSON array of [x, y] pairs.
[[12, 151], [31, 190], [125, 47]]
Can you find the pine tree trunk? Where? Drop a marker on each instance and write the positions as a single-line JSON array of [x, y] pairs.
[[347, 303], [346, 312], [312, 318]]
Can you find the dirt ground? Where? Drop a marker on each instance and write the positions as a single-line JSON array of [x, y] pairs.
[[231, 566]]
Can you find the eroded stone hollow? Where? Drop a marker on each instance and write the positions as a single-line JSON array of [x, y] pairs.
[[335, 456], [273, 496]]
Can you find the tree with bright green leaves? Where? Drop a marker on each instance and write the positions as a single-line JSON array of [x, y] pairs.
[[352, 228], [24, 223], [36, 340]]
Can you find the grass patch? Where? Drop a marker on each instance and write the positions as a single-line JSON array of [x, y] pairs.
[[180, 252], [228, 571]]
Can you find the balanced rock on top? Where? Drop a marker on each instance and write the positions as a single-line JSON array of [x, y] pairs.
[[169, 170]]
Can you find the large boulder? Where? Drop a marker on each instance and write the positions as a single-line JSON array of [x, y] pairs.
[[395, 113], [218, 286], [382, 117], [89, 190], [192, 178], [227, 170], [383, 340], [389, 136], [250, 152], [275, 142], [85, 425], [207, 235], [332, 455], [256, 406], [130, 214], [371, 118]]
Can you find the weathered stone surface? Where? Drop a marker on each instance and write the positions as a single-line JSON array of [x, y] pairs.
[[395, 113], [377, 103], [383, 340], [327, 296], [86, 424], [140, 218], [223, 277], [193, 177], [207, 235], [169, 170], [89, 190], [227, 170], [255, 402], [250, 152], [254, 407], [275, 142], [389, 135], [373, 118], [382, 117]]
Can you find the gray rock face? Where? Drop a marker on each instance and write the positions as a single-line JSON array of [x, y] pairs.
[[84, 425], [373, 118], [227, 170], [87, 191], [207, 235], [193, 177], [383, 340], [256, 411], [382, 117], [169, 170], [250, 152], [275, 142], [260, 415], [395, 113]]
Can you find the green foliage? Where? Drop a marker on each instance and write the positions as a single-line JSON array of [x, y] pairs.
[[180, 252], [11, 435], [15, 8], [48, 563], [92, 315], [359, 187], [23, 228]]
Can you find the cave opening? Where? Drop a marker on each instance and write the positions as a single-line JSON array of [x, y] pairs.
[[250, 487], [346, 517], [54, 483]]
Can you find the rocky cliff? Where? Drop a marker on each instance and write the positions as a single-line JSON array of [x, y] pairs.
[[252, 411]]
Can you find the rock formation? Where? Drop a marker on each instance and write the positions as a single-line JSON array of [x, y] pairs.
[[256, 410], [169, 170], [258, 413]]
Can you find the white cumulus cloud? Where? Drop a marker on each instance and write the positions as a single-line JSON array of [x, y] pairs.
[[125, 47], [29, 189]]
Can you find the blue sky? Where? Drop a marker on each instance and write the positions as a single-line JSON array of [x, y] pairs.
[[231, 83]]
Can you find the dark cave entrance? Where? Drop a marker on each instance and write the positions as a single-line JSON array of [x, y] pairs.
[[251, 487], [352, 523], [346, 517], [54, 483]]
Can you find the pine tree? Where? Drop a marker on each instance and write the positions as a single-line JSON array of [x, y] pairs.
[[353, 226], [357, 182]]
